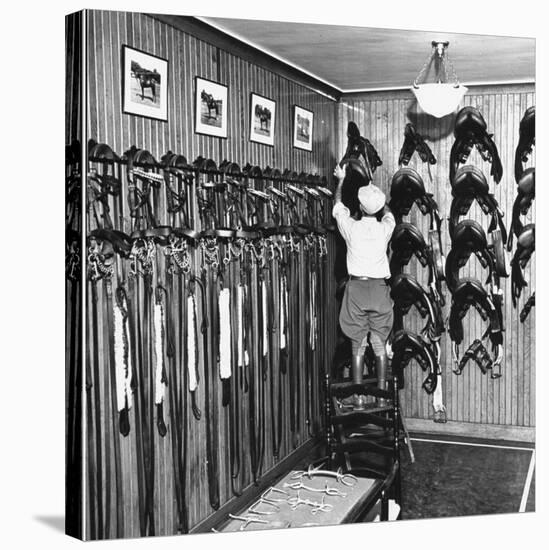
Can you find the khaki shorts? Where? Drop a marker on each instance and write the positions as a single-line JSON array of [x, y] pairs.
[[366, 307]]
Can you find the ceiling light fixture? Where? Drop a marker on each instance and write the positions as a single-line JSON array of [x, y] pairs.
[[442, 97]]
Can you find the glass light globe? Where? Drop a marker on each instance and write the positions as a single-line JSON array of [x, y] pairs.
[[439, 99]]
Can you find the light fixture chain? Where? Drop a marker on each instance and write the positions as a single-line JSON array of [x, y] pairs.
[[424, 68], [446, 61]]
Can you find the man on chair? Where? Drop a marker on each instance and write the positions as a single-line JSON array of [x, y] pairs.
[[367, 306]]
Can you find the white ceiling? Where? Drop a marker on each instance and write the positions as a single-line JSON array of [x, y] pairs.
[[361, 58]]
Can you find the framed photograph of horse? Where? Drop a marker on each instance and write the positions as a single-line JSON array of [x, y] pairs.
[[144, 84], [262, 119], [303, 128], [211, 110]]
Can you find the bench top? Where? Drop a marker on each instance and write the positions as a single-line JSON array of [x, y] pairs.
[[344, 509]]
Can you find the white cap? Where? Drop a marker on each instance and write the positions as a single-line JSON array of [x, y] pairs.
[[372, 198]]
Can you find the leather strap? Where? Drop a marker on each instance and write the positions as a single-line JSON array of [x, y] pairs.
[[530, 303], [98, 459], [176, 388], [149, 400], [210, 408], [414, 142], [478, 353]]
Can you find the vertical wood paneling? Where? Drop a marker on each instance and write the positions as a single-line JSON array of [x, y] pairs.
[[471, 397], [189, 57], [74, 415]]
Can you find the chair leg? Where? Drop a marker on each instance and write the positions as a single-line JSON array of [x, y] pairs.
[[384, 513]]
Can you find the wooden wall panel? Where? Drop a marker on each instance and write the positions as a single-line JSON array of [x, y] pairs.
[[189, 57], [381, 117], [73, 289]]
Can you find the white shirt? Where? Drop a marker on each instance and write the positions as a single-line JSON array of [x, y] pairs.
[[367, 241]]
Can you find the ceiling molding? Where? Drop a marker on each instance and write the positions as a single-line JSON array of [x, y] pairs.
[[207, 32], [467, 84], [214, 33], [356, 58], [265, 51]]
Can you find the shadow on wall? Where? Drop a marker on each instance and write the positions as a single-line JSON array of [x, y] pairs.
[[423, 122]]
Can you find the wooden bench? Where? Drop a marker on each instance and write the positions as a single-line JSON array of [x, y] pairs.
[[355, 503]]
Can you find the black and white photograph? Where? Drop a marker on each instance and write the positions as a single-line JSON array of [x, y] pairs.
[[262, 119], [145, 84], [211, 108], [271, 337], [303, 128]]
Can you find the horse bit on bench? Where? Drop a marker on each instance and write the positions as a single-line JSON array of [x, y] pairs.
[[347, 479], [330, 491], [321, 506]]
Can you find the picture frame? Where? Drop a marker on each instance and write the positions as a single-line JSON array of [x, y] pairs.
[[262, 119], [303, 128], [144, 84], [211, 108]]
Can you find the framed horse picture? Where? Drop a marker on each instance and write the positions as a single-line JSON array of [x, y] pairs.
[[211, 112], [144, 84], [262, 119], [303, 128]]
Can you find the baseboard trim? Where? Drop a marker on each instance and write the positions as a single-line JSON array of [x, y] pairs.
[[468, 429]]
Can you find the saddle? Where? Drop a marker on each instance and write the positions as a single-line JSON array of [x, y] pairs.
[[470, 184], [469, 238], [405, 242], [526, 192], [470, 292], [361, 161], [407, 346], [406, 292], [470, 131], [414, 142], [527, 139], [358, 146], [407, 188], [526, 245]]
